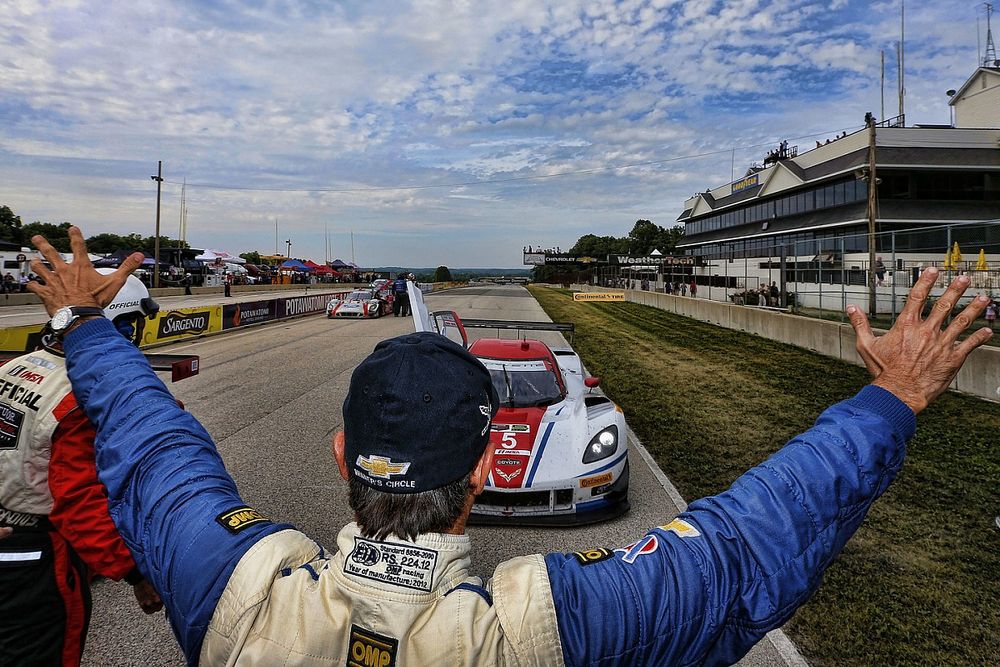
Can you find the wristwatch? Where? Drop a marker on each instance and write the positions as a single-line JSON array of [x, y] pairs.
[[64, 318]]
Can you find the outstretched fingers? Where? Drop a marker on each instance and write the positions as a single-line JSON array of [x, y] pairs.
[[50, 254], [865, 339], [973, 341], [79, 247], [965, 319], [918, 295], [945, 304]]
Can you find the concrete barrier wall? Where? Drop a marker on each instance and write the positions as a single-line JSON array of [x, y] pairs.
[[980, 376]]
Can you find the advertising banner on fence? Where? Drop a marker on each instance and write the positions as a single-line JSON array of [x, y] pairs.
[[21, 339], [599, 296], [303, 305], [174, 325], [249, 312]]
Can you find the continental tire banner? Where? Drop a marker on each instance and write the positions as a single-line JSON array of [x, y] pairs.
[[249, 312], [599, 296], [178, 324]]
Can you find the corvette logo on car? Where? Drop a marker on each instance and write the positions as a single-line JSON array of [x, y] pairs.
[[507, 476]]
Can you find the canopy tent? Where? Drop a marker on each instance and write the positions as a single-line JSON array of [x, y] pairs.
[[311, 264], [115, 259], [322, 270], [294, 265], [221, 255], [339, 264]]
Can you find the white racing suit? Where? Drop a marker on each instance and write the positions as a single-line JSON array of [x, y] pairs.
[[701, 589], [380, 603]]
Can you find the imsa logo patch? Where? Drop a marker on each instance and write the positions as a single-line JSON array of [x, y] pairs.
[[370, 649], [237, 519]]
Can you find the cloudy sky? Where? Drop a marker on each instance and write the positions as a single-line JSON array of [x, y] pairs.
[[439, 132]]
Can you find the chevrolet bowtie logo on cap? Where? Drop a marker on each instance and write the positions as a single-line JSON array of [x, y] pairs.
[[380, 466]]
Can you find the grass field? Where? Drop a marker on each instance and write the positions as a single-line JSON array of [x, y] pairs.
[[919, 584]]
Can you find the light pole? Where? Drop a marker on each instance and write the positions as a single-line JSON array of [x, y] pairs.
[[156, 239], [288, 252], [951, 107]]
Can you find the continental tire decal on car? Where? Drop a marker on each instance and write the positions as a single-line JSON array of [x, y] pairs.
[[180, 324], [596, 480]]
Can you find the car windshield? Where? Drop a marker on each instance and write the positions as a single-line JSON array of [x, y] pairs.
[[523, 384], [358, 295]]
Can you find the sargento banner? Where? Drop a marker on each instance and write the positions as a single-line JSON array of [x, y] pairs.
[[534, 258], [249, 312], [180, 323], [599, 296]]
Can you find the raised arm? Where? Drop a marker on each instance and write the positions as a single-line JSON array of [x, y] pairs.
[[169, 493], [706, 587]]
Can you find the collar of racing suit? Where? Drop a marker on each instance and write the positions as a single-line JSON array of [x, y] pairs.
[[370, 563]]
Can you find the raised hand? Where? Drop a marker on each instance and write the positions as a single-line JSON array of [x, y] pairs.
[[917, 359], [78, 283]]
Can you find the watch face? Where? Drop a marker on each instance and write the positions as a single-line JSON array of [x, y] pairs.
[[62, 319]]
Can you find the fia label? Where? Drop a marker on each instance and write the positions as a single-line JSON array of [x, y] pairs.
[[393, 563]]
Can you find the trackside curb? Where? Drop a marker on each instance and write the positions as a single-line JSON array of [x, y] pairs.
[[779, 640]]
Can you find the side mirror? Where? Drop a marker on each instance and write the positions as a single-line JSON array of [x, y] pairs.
[[592, 382]]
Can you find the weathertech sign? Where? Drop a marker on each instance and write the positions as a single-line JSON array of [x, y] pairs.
[[599, 296]]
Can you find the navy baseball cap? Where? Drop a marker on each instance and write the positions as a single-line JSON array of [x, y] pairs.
[[417, 414]]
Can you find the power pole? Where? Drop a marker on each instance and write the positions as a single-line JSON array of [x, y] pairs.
[[275, 236], [872, 212], [156, 239]]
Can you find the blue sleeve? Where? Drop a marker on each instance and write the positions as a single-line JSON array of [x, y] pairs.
[[168, 490], [706, 587]]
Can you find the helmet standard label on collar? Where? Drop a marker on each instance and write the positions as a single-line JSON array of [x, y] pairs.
[[405, 565]]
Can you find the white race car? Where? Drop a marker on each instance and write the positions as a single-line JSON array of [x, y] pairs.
[[359, 303], [560, 450]]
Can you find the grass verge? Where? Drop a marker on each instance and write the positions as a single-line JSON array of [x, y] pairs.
[[919, 584]]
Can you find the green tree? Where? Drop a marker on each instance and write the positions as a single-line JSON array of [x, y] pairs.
[[251, 257], [10, 226], [57, 235], [442, 275]]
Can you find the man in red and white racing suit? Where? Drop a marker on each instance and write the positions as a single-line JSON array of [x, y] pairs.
[[55, 511]]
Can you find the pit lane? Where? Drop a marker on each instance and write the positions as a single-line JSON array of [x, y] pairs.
[[271, 397]]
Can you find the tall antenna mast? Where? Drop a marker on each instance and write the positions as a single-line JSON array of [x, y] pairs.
[[990, 57], [902, 60], [882, 88], [180, 221]]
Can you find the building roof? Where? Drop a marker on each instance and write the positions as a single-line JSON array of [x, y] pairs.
[[985, 71]]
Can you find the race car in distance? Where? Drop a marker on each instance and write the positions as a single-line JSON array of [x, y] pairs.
[[359, 303], [560, 450]]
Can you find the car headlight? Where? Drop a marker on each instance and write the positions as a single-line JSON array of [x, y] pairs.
[[602, 445]]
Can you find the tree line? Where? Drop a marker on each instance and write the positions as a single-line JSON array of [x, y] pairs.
[[645, 237], [13, 230]]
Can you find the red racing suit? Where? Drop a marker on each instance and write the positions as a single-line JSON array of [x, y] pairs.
[[51, 497]]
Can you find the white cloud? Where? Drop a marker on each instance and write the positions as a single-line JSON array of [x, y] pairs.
[[361, 96]]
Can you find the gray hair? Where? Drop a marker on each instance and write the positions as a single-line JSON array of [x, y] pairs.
[[407, 515]]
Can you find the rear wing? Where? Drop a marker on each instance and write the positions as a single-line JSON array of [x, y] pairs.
[[499, 325], [451, 326]]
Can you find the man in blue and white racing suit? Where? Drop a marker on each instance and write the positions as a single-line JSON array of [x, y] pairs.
[[701, 589]]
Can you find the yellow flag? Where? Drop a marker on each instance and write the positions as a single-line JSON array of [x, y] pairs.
[[956, 254], [981, 264], [948, 264]]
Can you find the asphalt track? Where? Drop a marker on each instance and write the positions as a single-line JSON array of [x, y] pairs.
[[271, 397]]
